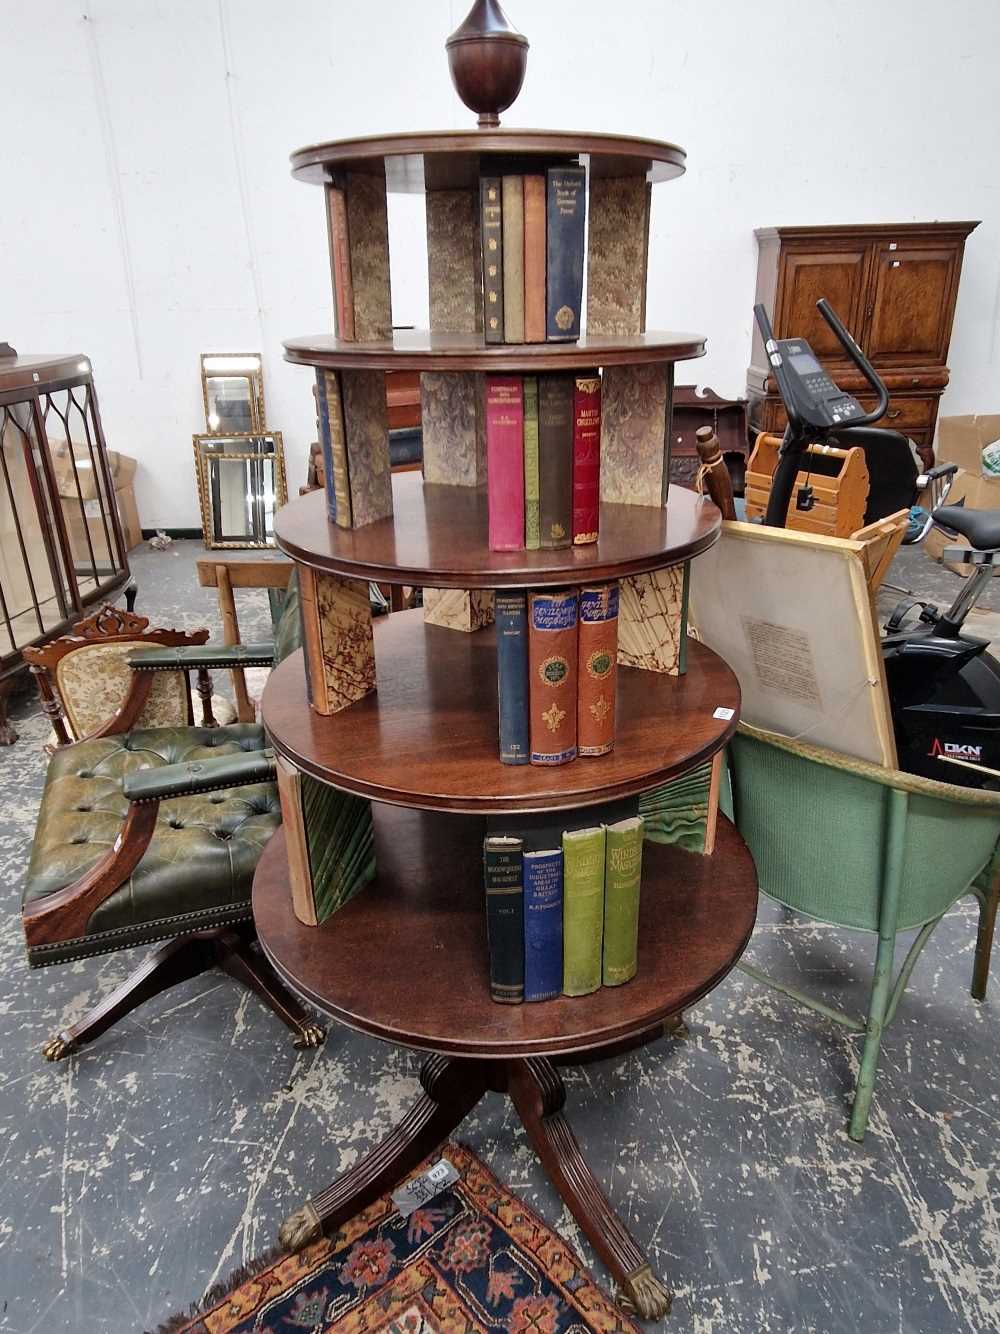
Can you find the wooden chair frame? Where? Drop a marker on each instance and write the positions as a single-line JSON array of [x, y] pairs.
[[112, 625], [227, 573]]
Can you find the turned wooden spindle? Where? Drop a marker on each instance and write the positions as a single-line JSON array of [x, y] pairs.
[[713, 475]]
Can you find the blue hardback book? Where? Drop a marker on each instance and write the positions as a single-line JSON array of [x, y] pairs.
[[565, 214], [323, 422], [511, 616], [543, 924]]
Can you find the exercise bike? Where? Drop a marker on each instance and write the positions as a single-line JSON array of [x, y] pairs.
[[944, 688]]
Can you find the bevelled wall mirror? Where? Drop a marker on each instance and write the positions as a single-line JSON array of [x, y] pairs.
[[241, 486], [232, 385]]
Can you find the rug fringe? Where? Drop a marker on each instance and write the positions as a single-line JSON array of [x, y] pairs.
[[235, 1279]]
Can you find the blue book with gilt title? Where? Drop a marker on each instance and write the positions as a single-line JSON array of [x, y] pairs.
[[565, 213], [543, 924], [510, 612]]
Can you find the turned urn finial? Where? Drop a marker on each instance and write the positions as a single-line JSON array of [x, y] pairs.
[[487, 57]]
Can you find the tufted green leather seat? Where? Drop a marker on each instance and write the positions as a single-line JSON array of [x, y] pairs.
[[198, 868]]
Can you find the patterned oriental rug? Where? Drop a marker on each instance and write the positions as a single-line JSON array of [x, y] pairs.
[[473, 1260]]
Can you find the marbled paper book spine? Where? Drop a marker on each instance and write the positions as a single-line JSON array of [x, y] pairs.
[[652, 620], [552, 663], [368, 233], [452, 424], [598, 669], [366, 425], [339, 646], [618, 239], [452, 266], [634, 447]]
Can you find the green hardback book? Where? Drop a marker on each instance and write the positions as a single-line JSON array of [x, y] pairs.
[[623, 872], [532, 532], [340, 838], [678, 811], [583, 910]]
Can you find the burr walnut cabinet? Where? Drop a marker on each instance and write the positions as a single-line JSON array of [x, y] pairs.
[[894, 286]]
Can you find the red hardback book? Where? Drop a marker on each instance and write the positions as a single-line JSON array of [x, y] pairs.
[[534, 259], [505, 461], [340, 255], [586, 457]]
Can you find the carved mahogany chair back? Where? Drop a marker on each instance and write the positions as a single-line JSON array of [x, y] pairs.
[[86, 686]]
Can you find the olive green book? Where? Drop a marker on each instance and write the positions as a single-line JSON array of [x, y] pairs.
[[532, 531], [583, 910], [622, 875]]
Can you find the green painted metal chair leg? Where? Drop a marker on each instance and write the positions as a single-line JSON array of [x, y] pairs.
[[892, 881], [989, 900]]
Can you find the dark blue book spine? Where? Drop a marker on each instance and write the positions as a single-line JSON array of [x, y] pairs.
[[503, 876], [543, 925], [511, 615], [566, 203], [323, 422]]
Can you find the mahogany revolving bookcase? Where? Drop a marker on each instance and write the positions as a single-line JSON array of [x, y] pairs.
[[406, 959]]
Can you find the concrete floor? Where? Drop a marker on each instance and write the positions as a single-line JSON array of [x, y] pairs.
[[138, 1174]]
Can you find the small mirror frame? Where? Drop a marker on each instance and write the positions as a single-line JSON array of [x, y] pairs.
[[201, 458], [255, 379]]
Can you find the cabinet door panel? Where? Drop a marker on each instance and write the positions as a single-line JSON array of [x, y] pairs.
[[839, 275], [913, 299]]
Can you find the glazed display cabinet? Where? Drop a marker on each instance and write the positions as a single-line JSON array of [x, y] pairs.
[[61, 543]]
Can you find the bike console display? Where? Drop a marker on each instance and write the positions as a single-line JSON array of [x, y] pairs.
[[807, 391]]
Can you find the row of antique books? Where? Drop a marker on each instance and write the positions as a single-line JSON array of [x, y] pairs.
[[562, 910], [557, 673], [543, 460], [533, 230]]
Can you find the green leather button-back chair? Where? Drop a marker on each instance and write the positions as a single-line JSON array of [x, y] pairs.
[[150, 828], [861, 846]]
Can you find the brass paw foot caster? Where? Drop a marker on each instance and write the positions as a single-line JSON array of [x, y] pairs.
[[57, 1048], [310, 1036], [675, 1027], [643, 1294], [300, 1229]]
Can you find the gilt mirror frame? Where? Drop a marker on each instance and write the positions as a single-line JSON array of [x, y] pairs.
[[246, 366], [206, 448]]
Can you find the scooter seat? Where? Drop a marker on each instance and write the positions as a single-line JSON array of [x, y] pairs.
[[980, 527]]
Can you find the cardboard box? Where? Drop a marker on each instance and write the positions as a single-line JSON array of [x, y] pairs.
[[962, 440], [978, 493], [122, 472]]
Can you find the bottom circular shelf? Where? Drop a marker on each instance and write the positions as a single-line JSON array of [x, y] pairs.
[[406, 959]]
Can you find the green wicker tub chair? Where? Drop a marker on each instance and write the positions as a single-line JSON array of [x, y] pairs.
[[152, 833], [861, 846]]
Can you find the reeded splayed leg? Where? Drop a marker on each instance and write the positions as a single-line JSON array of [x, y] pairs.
[[539, 1096], [238, 958], [451, 1090]]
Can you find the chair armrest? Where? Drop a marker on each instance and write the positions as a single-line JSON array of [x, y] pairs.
[[195, 776], [190, 659], [932, 474]]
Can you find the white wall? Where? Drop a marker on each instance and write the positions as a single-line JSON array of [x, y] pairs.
[[147, 213]]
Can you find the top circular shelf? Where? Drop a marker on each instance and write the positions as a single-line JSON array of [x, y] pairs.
[[451, 159], [420, 350]]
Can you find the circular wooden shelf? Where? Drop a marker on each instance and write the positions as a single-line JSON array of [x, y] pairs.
[[428, 736], [421, 350], [406, 959], [451, 159], [437, 537]]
